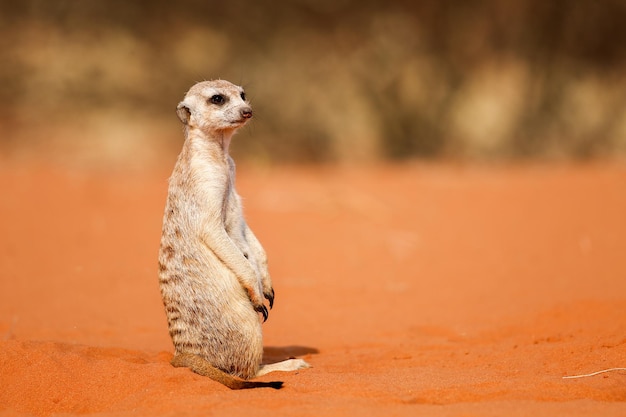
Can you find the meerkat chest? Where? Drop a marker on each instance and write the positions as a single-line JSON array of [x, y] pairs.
[[232, 215], [232, 212]]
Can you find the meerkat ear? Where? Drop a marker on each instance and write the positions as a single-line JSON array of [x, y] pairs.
[[183, 112]]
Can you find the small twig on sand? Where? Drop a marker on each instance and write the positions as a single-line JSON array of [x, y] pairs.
[[594, 373]]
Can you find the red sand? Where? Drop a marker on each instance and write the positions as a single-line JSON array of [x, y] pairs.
[[413, 290]]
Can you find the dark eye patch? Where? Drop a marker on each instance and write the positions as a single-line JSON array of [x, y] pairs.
[[243, 96], [217, 99]]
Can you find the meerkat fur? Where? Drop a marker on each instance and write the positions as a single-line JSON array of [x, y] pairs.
[[213, 271]]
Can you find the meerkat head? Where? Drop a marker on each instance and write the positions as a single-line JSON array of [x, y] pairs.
[[214, 106]]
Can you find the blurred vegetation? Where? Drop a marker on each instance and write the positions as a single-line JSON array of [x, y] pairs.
[[339, 80]]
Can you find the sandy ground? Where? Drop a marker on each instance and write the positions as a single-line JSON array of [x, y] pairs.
[[414, 290]]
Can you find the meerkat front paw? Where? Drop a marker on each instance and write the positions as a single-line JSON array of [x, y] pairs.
[[269, 294], [268, 289], [257, 301]]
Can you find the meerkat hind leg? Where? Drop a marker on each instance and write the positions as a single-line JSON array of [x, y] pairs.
[[201, 366], [285, 366]]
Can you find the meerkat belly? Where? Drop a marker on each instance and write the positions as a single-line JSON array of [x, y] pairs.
[[210, 314]]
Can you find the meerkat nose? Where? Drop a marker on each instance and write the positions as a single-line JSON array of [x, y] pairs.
[[246, 113]]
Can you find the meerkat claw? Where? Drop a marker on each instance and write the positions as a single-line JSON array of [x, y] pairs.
[[263, 310], [270, 298]]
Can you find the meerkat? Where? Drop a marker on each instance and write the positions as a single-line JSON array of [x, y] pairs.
[[213, 271]]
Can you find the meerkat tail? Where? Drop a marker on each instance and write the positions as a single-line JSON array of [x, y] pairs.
[[202, 367]]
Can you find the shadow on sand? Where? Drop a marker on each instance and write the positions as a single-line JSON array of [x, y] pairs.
[[272, 354]]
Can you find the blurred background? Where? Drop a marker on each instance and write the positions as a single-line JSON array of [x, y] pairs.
[[330, 81]]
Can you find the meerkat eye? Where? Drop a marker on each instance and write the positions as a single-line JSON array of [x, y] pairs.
[[243, 96], [217, 99]]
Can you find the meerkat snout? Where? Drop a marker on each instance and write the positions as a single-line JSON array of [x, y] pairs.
[[246, 113]]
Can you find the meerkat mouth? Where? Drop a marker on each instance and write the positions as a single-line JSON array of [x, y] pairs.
[[239, 122]]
